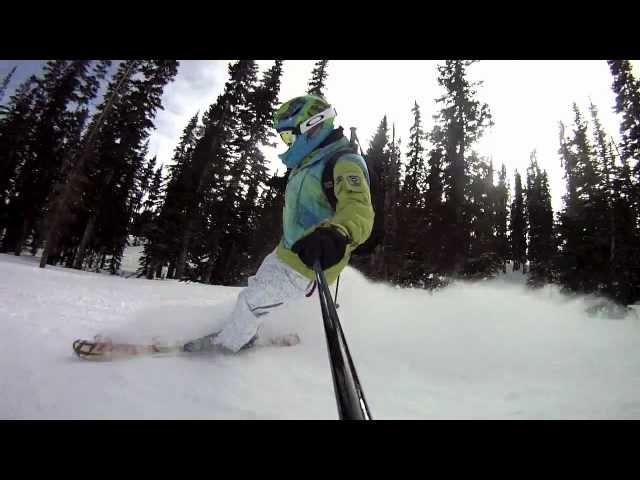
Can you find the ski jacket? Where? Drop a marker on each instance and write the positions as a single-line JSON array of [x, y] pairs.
[[307, 207]]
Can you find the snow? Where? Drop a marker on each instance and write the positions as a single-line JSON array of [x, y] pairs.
[[490, 350]]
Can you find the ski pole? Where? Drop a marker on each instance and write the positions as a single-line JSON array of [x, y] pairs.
[[350, 398]]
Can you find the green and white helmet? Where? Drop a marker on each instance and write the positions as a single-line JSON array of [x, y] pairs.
[[300, 114]]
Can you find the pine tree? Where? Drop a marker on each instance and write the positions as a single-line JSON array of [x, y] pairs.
[[155, 191], [583, 222], [625, 281], [625, 267], [121, 159], [435, 227], [377, 157], [483, 260], [93, 202], [462, 119], [501, 215], [318, 78], [606, 166], [55, 131], [251, 170], [16, 134], [229, 240], [568, 233], [5, 82], [414, 184], [541, 248], [412, 202], [141, 190], [627, 90], [268, 227], [210, 166], [67, 199], [150, 206], [161, 248], [518, 227], [391, 254]]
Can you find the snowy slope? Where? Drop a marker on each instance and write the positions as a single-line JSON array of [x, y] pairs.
[[490, 350]]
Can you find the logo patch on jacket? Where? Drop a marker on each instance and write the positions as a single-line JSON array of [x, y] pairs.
[[354, 180]]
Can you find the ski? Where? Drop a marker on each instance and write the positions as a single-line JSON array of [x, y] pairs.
[[104, 349]]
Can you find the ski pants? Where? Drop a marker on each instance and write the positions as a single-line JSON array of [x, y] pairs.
[[274, 284]]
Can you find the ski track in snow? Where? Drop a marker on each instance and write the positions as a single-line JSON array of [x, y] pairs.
[[491, 350]]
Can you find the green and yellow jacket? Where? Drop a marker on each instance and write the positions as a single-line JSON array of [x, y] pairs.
[[307, 207]]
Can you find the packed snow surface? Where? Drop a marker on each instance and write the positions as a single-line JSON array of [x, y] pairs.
[[488, 350]]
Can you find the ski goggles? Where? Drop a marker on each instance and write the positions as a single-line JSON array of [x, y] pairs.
[[289, 135]]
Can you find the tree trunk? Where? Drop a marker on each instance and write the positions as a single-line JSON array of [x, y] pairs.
[[86, 238], [182, 256], [208, 276], [70, 258], [158, 270]]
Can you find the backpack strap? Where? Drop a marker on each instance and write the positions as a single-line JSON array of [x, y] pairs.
[[327, 175]]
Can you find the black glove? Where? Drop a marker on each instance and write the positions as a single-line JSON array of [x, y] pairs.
[[325, 244]]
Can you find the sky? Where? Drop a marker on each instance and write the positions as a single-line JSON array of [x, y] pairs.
[[527, 99]]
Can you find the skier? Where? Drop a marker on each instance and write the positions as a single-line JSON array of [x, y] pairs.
[[324, 219]]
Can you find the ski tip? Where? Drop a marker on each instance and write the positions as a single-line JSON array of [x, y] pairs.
[[88, 350]]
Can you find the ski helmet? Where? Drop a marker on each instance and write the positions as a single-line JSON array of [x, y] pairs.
[[303, 123], [300, 114]]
